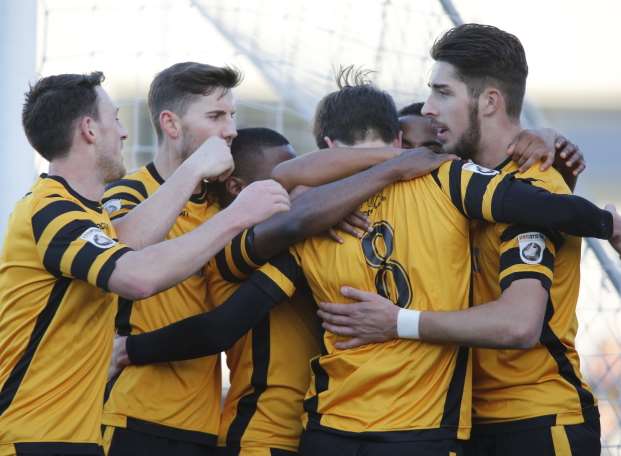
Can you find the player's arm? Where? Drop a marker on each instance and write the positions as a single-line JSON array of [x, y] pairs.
[[215, 331], [139, 274], [322, 207], [139, 222], [489, 195]]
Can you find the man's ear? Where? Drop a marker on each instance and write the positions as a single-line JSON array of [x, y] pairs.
[[88, 129], [491, 101], [234, 185], [170, 124]]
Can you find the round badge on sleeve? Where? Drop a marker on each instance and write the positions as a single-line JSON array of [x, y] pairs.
[[98, 238], [532, 246]]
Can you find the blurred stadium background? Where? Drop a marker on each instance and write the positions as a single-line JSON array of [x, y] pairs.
[[288, 51]]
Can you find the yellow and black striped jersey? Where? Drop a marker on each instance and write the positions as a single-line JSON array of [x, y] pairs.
[[56, 321], [511, 385], [178, 400], [269, 365], [418, 255]]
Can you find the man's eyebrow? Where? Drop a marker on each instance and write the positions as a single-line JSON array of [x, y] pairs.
[[435, 85]]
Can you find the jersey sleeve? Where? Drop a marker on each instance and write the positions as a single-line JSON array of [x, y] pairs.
[[122, 196], [527, 253], [70, 243], [485, 194], [280, 276], [238, 259]]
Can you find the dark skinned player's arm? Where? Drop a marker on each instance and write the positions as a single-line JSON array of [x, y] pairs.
[[322, 207]]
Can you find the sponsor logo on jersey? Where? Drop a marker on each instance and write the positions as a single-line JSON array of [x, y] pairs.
[[532, 246], [98, 238], [112, 205], [474, 168]]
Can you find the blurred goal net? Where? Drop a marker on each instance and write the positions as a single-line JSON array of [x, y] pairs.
[[288, 52]]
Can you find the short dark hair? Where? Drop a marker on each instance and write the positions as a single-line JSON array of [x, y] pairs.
[[52, 107], [484, 55], [414, 109], [248, 146], [175, 87], [355, 111]]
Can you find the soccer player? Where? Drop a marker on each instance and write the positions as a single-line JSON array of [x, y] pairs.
[[399, 397], [175, 407], [61, 257], [532, 401]]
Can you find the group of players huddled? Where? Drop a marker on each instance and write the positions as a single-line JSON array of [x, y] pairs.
[[408, 289]]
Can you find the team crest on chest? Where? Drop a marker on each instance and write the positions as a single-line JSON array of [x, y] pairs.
[[532, 246], [474, 168], [112, 205]]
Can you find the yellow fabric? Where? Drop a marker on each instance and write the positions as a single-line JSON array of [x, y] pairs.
[[55, 325], [560, 441], [182, 395], [515, 384], [417, 255], [289, 338]]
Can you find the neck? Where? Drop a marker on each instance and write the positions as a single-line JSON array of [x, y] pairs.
[[167, 160], [496, 136], [81, 177]]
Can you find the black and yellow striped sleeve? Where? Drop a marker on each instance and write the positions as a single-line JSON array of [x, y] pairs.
[[238, 259], [122, 196], [486, 194], [70, 244], [527, 253], [279, 277]]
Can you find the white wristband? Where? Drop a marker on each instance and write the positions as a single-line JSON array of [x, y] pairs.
[[407, 324]]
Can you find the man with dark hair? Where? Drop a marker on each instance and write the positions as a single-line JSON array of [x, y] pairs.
[[354, 404], [176, 406], [416, 128], [533, 401], [61, 258]]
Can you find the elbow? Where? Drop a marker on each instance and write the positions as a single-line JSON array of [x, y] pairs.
[[135, 287], [280, 175], [522, 336]]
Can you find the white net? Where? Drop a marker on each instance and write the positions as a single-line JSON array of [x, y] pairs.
[[288, 52]]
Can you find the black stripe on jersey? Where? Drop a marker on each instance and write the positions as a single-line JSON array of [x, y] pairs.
[[61, 242], [171, 433], [311, 405], [43, 322], [454, 395], [223, 267], [133, 184], [559, 352], [44, 216], [474, 195], [67, 448], [285, 263], [508, 280], [122, 196], [250, 251], [123, 315], [268, 286], [153, 171], [514, 230], [108, 268], [118, 215], [512, 257], [455, 185], [247, 405], [238, 258]]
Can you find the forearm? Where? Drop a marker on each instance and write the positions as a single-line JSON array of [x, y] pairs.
[[320, 208], [570, 214], [327, 165], [150, 221], [205, 334], [157, 267]]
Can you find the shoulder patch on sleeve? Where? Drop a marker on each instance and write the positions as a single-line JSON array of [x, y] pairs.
[[98, 238], [112, 205], [474, 168], [531, 245]]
